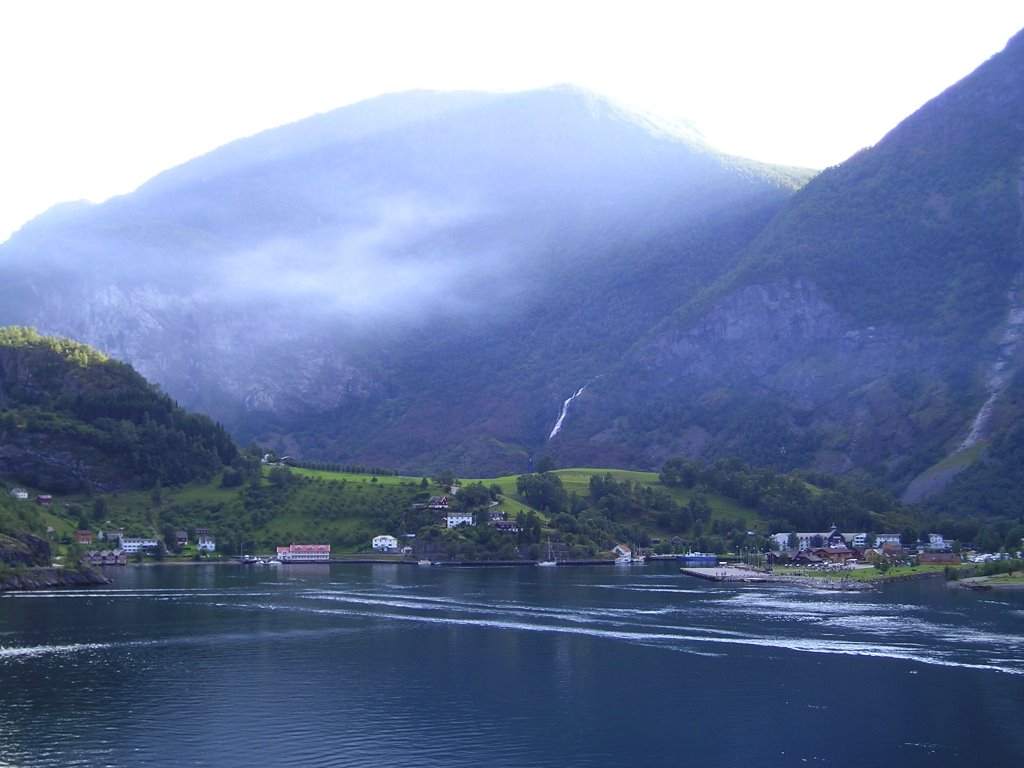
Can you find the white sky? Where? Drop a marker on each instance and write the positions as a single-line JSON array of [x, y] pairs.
[[96, 96]]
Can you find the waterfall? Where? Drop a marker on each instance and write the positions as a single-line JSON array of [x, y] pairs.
[[564, 411]]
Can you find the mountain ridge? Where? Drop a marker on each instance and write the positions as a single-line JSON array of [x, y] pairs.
[[427, 295]]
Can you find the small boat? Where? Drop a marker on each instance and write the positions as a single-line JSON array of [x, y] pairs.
[[624, 560], [551, 558], [424, 562]]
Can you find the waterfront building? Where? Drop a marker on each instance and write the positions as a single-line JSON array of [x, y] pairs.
[[133, 544], [305, 553]]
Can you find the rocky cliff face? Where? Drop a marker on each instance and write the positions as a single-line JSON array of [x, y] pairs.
[[23, 550], [221, 359], [51, 578], [772, 368]]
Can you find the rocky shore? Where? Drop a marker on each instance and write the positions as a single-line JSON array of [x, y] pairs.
[[22, 579]]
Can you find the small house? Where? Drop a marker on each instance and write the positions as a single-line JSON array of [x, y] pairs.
[[456, 519], [385, 543], [83, 537]]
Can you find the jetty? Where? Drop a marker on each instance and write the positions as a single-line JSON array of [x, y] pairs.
[[737, 575], [727, 573]]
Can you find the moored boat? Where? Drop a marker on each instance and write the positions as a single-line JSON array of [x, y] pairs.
[[698, 559]]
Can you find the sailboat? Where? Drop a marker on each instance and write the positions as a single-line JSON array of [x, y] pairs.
[[551, 557]]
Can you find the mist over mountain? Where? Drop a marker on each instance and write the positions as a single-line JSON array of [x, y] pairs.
[[422, 280], [408, 279]]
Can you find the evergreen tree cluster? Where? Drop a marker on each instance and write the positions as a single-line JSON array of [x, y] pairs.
[[68, 391]]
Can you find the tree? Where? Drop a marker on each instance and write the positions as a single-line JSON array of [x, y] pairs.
[[680, 472], [445, 478], [542, 491], [545, 464]]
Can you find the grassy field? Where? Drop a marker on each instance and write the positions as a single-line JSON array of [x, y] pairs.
[[577, 480], [862, 574], [346, 509]]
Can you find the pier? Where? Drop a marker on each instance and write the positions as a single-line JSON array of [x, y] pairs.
[[726, 573]]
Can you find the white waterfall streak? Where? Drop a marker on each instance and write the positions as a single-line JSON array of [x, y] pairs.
[[564, 411]]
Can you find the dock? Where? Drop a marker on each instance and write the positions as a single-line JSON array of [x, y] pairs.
[[726, 573]]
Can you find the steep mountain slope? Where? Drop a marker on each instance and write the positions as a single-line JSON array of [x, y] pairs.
[[71, 419], [872, 326], [414, 281]]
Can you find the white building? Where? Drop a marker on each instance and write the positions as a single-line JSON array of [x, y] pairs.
[[385, 543], [19, 493], [459, 518], [206, 543], [133, 544], [305, 553]]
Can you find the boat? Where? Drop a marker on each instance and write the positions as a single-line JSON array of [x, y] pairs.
[[698, 559], [551, 558], [424, 562], [624, 560]]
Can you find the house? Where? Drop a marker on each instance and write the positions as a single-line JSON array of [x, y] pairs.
[[936, 543], [83, 537], [497, 514], [19, 493], [506, 526], [385, 543], [305, 553], [205, 542], [804, 557], [835, 538], [438, 502], [44, 499], [621, 550], [180, 538], [133, 544], [456, 519], [106, 557], [112, 536], [837, 554]]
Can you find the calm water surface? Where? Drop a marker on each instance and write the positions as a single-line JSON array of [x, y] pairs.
[[401, 665]]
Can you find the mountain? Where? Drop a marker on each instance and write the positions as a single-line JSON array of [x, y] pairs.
[[471, 281], [873, 325], [72, 419], [416, 281]]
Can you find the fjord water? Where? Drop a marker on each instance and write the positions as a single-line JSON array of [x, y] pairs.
[[389, 665]]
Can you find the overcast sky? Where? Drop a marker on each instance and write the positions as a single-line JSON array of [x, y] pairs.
[[97, 96]]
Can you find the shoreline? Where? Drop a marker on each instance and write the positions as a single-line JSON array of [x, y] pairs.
[[735, 575]]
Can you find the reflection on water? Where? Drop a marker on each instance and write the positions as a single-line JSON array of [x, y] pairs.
[[390, 665]]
